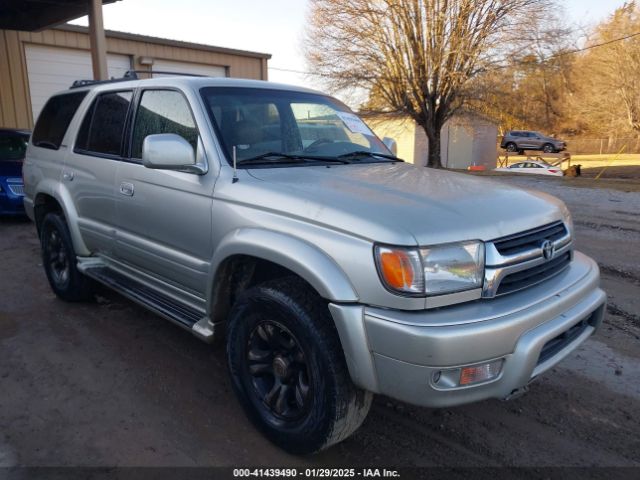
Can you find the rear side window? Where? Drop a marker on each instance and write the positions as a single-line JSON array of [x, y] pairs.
[[102, 129], [163, 111], [54, 120]]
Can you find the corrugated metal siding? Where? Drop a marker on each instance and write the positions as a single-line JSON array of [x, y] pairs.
[[15, 104]]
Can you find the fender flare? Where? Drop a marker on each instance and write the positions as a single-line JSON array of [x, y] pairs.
[[57, 191], [301, 257]]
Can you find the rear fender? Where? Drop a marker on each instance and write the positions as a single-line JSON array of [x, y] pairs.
[[57, 190]]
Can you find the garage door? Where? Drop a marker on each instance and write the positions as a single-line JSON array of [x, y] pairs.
[[186, 67], [51, 69]]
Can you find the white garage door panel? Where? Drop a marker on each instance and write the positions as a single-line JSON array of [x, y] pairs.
[[187, 67], [51, 69]]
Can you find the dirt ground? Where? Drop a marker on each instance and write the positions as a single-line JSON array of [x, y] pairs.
[[108, 384]]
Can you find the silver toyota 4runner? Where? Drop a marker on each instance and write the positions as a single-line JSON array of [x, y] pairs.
[[331, 269]]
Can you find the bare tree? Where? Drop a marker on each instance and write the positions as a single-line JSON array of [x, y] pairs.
[[531, 91], [607, 78], [418, 57]]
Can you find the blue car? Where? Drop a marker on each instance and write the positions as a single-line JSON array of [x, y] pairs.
[[13, 145]]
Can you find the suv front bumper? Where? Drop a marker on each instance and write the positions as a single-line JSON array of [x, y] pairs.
[[398, 353]]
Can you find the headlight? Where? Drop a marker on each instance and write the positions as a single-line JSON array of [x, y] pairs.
[[568, 220], [453, 268], [434, 270]]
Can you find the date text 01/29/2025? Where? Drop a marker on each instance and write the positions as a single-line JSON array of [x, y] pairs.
[[316, 472]]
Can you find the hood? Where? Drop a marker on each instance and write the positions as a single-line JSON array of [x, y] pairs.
[[397, 203], [11, 168]]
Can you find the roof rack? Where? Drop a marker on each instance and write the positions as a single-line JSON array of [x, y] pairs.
[[129, 75], [164, 72]]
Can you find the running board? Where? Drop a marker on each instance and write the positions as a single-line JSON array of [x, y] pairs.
[[159, 303]]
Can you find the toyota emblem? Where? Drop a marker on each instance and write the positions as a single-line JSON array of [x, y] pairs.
[[548, 249]]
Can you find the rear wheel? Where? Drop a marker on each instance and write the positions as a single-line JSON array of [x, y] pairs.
[[288, 369], [548, 148], [512, 147], [59, 260]]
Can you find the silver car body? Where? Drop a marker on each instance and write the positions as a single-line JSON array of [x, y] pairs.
[[179, 230]]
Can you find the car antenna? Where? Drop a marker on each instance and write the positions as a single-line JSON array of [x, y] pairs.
[[235, 169]]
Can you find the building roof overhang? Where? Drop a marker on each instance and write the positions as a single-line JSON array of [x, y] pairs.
[[33, 15]]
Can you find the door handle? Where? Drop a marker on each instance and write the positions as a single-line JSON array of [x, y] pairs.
[[67, 175], [126, 188]]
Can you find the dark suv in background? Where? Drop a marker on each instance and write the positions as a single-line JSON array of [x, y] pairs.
[[519, 140], [13, 145]]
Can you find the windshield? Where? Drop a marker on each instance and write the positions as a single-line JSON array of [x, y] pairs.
[[12, 147], [261, 121]]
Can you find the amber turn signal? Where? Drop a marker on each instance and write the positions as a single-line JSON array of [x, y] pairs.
[[401, 269]]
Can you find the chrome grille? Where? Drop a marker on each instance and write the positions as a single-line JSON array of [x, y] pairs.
[[518, 261], [530, 239], [16, 188], [534, 275]]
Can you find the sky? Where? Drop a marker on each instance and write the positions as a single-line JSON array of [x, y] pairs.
[[269, 26]]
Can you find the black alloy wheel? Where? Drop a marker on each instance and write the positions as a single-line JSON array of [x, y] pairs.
[[60, 261], [279, 371], [288, 368]]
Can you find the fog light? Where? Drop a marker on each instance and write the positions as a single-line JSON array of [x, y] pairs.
[[480, 373]]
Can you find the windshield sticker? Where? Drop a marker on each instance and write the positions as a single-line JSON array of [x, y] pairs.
[[354, 123]]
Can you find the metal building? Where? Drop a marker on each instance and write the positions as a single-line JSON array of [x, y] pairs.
[[36, 63]]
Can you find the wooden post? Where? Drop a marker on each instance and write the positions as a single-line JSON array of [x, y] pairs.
[[98, 41]]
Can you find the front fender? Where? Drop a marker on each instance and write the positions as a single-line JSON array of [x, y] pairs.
[[299, 256]]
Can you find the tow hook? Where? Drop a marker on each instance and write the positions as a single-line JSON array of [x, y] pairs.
[[518, 392]]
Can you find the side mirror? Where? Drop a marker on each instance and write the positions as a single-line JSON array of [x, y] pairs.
[[391, 144], [168, 151]]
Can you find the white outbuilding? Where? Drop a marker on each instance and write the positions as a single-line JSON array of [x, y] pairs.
[[466, 139]]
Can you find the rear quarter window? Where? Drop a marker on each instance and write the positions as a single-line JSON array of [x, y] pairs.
[[54, 119]]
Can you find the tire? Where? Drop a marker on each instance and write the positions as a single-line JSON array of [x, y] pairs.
[[59, 260], [281, 333], [511, 147], [548, 148]]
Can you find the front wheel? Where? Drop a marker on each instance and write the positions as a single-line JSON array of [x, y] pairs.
[[59, 260], [548, 148], [288, 370]]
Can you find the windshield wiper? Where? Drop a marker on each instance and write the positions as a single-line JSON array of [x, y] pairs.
[[278, 157], [364, 153]]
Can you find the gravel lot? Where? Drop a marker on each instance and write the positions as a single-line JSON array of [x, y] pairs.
[[108, 384]]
